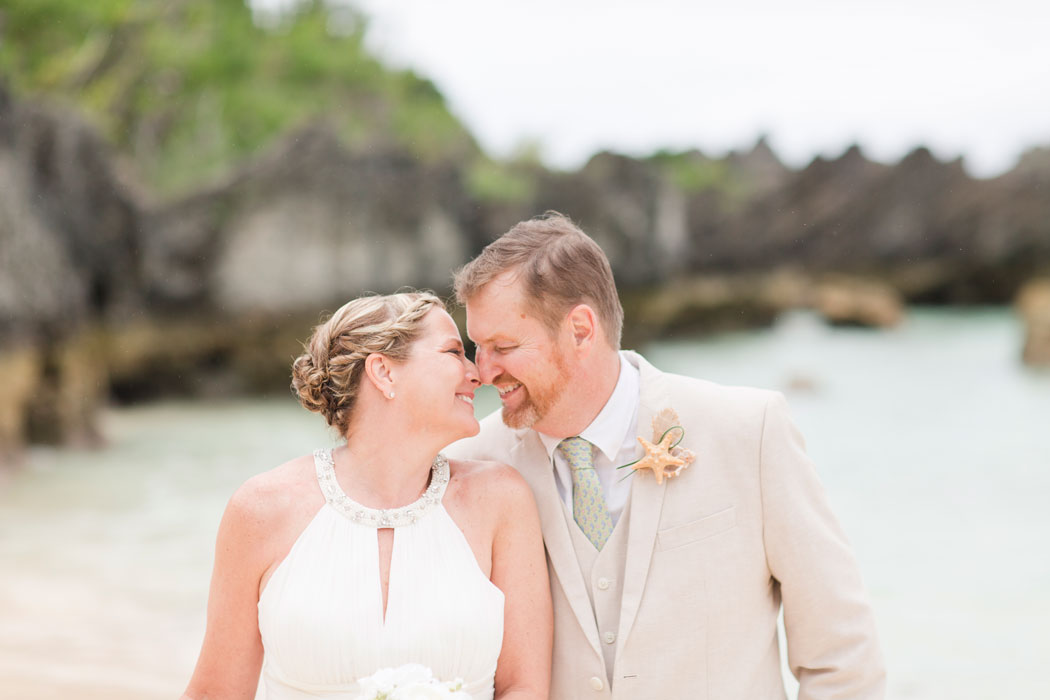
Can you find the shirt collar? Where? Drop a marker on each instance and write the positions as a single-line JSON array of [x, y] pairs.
[[609, 428]]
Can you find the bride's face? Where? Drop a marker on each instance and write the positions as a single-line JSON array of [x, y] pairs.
[[436, 383]]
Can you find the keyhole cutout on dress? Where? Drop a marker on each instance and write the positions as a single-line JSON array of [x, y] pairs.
[[385, 538]]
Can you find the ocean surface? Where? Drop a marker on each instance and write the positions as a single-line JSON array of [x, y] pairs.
[[932, 439]]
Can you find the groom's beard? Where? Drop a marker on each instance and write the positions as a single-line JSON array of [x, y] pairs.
[[538, 399]]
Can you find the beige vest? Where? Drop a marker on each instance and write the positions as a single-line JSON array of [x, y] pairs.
[[603, 573]]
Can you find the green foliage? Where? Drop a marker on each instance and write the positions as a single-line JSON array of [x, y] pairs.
[[692, 172], [188, 88], [492, 181]]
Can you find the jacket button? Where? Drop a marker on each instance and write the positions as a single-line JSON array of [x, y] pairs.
[[610, 637], [603, 583], [597, 683]]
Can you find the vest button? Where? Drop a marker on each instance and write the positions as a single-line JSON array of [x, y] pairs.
[[597, 683], [603, 583], [610, 637]]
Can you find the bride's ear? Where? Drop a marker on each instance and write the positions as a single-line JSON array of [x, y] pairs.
[[379, 370]]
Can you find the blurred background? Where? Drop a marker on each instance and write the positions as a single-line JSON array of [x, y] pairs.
[[850, 204]]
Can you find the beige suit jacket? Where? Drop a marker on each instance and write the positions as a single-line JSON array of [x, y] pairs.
[[711, 555]]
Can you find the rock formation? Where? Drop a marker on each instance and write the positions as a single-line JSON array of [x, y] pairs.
[[104, 293], [1033, 303], [68, 261], [307, 225]]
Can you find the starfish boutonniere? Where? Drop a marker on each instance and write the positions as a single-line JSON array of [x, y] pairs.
[[663, 456]]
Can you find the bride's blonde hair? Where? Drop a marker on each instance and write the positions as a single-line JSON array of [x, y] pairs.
[[327, 376]]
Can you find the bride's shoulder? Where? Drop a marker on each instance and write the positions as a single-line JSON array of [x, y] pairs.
[[276, 493], [263, 517]]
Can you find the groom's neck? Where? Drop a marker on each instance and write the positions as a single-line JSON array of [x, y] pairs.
[[587, 390]]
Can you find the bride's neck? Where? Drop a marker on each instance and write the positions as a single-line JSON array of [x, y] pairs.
[[385, 462]]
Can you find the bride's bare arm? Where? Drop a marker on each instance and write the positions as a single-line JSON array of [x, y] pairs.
[[232, 652], [519, 569]]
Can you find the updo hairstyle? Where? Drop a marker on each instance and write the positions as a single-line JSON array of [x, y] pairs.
[[327, 376]]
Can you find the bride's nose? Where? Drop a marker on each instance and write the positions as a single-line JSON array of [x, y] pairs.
[[472, 373]]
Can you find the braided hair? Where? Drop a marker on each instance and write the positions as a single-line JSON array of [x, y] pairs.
[[327, 376]]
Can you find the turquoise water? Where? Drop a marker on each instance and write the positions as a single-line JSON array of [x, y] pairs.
[[931, 440]]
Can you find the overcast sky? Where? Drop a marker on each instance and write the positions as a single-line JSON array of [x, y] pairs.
[[964, 78]]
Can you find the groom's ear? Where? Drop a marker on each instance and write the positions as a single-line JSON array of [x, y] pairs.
[[584, 325]]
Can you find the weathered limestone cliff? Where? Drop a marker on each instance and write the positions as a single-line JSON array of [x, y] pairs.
[[306, 226], [107, 294], [68, 262]]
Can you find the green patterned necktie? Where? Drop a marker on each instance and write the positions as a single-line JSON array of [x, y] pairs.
[[588, 502]]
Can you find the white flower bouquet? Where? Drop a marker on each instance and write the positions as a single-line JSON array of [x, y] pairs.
[[409, 682]]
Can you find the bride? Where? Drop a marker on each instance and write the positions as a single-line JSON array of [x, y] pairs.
[[381, 552]]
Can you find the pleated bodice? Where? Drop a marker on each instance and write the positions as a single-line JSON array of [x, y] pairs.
[[321, 612]]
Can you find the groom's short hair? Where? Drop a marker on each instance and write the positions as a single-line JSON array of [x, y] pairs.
[[560, 266]]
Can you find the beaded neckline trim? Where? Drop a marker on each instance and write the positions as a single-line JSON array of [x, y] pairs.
[[379, 517]]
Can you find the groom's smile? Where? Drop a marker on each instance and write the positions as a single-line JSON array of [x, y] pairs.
[[506, 390], [524, 406]]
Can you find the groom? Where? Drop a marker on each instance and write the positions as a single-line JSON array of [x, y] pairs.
[[663, 587]]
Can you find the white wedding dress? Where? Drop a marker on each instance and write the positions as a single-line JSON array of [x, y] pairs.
[[321, 613]]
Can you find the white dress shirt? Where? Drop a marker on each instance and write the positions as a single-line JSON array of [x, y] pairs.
[[613, 432]]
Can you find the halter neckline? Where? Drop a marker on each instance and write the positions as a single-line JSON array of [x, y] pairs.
[[380, 517]]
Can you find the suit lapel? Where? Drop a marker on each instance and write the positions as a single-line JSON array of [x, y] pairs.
[[531, 459], [647, 499]]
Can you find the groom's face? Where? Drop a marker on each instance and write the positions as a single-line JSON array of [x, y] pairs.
[[518, 355]]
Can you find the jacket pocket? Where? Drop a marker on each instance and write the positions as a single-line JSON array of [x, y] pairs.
[[697, 530]]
